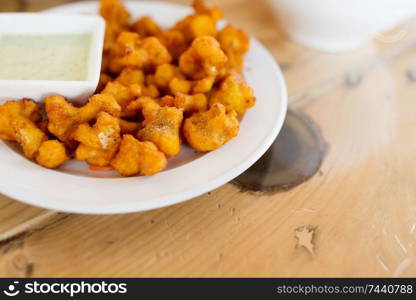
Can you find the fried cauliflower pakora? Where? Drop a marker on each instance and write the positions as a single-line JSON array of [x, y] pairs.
[[122, 94], [137, 157], [17, 123], [104, 79], [210, 130], [51, 154], [188, 103], [203, 59], [234, 93], [132, 51], [98, 144], [135, 107], [117, 20], [235, 43], [162, 127], [174, 41], [201, 8], [165, 74], [129, 76], [202, 23], [64, 118]]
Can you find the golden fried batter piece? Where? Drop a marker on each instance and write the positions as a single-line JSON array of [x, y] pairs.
[[117, 20], [162, 127], [178, 85], [174, 41], [105, 61], [98, 144], [64, 118], [128, 127], [26, 109], [114, 12], [52, 154], [235, 43], [137, 157], [104, 79], [188, 103], [164, 75], [17, 123], [201, 8], [146, 26], [203, 85], [202, 23], [132, 51], [131, 76], [122, 94], [234, 93], [43, 125], [150, 89], [210, 130], [137, 105], [195, 26], [203, 59]]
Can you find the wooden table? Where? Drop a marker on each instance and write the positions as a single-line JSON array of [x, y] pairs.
[[358, 213]]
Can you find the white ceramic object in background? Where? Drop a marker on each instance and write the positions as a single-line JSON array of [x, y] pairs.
[[74, 188], [44, 24], [340, 25]]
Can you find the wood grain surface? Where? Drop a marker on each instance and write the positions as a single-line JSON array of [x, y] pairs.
[[356, 217]]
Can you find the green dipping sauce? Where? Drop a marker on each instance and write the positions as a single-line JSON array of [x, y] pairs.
[[62, 57]]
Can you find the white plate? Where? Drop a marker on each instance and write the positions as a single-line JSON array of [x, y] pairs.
[[74, 188]]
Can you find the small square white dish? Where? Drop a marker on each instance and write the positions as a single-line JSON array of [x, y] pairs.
[[55, 25]]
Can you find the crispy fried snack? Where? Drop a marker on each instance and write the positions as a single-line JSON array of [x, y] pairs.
[[202, 23], [52, 154], [98, 144], [104, 79], [137, 157], [203, 59], [210, 130], [131, 76], [203, 85], [146, 26], [17, 123], [201, 8], [114, 12], [151, 91], [136, 106], [162, 127], [165, 74], [234, 93], [132, 51], [129, 127], [188, 103], [117, 20], [235, 43], [64, 118], [179, 85], [174, 41], [150, 79]]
